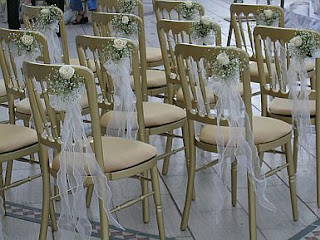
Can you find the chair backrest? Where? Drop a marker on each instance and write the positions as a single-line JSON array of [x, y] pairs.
[[244, 17], [94, 47], [170, 34], [113, 6], [169, 9], [102, 27], [30, 13], [47, 120], [273, 57], [8, 61], [195, 68]]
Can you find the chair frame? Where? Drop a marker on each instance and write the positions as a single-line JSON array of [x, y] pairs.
[[32, 71], [183, 51]]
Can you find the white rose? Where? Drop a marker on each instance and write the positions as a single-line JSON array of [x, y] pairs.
[[223, 59], [66, 72], [188, 4], [125, 20], [296, 41], [119, 43], [206, 20], [268, 13], [27, 39], [45, 11]]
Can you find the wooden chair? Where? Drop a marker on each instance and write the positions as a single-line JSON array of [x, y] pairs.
[[29, 15], [153, 54], [168, 9], [280, 106], [269, 133], [153, 81], [154, 118], [118, 158]]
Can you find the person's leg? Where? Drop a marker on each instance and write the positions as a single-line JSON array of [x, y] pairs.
[[13, 13], [92, 5], [76, 5]]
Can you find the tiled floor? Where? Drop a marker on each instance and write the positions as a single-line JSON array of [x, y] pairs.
[[202, 225]]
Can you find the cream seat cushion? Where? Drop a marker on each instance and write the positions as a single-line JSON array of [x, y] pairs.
[[153, 54], [24, 105], [120, 153], [13, 137], [155, 114], [283, 106], [180, 97], [155, 78], [265, 130], [75, 61], [3, 91]]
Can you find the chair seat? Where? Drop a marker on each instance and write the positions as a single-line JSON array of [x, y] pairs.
[[120, 153], [155, 78], [155, 114], [265, 130], [283, 106], [3, 91], [24, 105], [153, 54], [15, 137], [75, 61]]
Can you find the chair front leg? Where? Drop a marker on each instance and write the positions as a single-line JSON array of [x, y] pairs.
[[166, 160], [252, 210], [234, 182]]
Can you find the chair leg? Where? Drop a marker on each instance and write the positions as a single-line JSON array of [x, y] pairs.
[[9, 172], [45, 196], [2, 193], [157, 201], [52, 214], [318, 162], [166, 160], [292, 181], [145, 202], [104, 223], [295, 148], [89, 195], [252, 210], [234, 183], [190, 186]]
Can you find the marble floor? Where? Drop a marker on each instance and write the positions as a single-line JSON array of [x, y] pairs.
[[233, 222]]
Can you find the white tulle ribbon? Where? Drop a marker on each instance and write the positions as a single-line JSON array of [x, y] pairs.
[[240, 145], [123, 122], [207, 40], [50, 31], [77, 163]]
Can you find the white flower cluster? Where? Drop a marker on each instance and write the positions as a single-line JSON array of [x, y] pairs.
[[25, 43], [116, 50], [125, 26], [188, 10], [267, 17], [303, 45], [128, 6]]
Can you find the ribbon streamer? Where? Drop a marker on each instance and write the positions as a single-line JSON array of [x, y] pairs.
[[123, 122], [77, 162]]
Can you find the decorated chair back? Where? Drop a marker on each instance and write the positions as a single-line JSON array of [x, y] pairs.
[[121, 6], [178, 10], [31, 16], [172, 32], [111, 25], [244, 18], [102, 51], [197, 68], [17, 46], [280, 46]]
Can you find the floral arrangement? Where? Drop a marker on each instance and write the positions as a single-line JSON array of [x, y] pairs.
[[65, 84], [303, 45], [225, 67], [128, 6], [203, 28], [267, 17], [47, 16], [188, 9], [125, 26], [25, 43], [116, 50]]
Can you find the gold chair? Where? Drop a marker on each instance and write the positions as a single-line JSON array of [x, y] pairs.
[[154, 118], [269, 133], [153, 81], [3, 92], [168, 9], [118, 158], [153, 54], [280, 106], [31, 12]]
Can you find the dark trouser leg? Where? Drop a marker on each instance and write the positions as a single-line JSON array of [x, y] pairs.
[[13, 14]]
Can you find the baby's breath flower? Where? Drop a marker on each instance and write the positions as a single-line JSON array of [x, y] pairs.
[[303, 45], [187, 10], [124, 26], [116, 50], [267, 17], [47, 15], [203, 28], [25, 43], [128, 6]]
